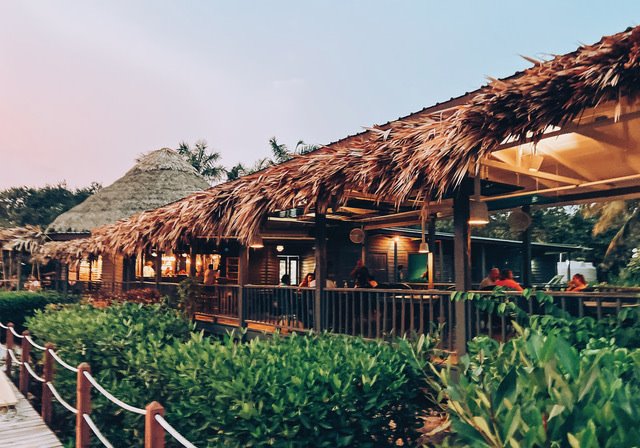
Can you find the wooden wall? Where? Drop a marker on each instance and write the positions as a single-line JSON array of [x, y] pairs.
[[112, 273]]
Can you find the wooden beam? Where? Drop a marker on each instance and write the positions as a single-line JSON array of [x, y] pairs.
[[534, 174], [321, 269]]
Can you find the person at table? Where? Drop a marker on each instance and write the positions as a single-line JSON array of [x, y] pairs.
[[578, 283], [147, 270], [285, 280], [210, 276], [306, 281], [489, 282], [361, 275], [506, 280], [329, 283]]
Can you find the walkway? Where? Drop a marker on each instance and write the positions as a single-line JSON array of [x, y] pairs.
[[24, 428]]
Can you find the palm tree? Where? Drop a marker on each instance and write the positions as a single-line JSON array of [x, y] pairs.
[[205, 162], [280, 151], [236, 172]]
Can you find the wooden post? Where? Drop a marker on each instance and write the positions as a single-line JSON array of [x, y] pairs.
[[90, 272], [526, 252], [25, 357], [18, 272], [8, 361], [65, 279], [321, 269], [153, 432], [462, 265], [243, 277], [48, 372], [395, 259], [431, 239], [158, 267], [83, 404], [192, 261]]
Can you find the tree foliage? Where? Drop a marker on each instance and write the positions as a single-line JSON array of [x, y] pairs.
[[21, 206], [204, 161]]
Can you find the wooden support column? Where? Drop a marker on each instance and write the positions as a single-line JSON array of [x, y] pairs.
[[65, 278], [321, 269], [526, 252], [158, 268], [192, 259], [18, 272], [243, 279], [9, 344], [431, 240], [462, 265]]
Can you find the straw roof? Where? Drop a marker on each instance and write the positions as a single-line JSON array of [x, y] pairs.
[[417, 157], [159, 177], [22, 239]]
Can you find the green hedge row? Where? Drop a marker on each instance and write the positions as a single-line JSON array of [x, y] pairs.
[[298, 391], [16, 306]]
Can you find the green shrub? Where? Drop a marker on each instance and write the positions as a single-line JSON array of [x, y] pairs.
[[314, 390], [108, 339], [16, 306], [538, 390]]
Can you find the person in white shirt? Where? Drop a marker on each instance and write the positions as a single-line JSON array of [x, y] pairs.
[[147, 270]]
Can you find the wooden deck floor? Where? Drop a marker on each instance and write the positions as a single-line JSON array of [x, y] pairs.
[[26, 429]]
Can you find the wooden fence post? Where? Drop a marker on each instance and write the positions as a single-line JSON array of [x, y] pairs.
[[83, 404], [47, 374], [7, 361], [25, 357], [153, 432]]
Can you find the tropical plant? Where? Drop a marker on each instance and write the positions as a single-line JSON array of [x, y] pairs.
[[204, 161]]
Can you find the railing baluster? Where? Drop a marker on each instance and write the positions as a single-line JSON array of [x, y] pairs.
[[393, 314], [370, 312], [412, 315], [353, 314], [378, 332], [361, 300]]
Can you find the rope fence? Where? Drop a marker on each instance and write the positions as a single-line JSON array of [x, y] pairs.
[[96, 431], [155, 423]]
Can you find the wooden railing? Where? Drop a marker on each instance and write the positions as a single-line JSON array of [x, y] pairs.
[[284, 307], [220, 300], [85, 428]]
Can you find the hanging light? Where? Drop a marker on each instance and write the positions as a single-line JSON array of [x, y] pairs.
[[256, 242], [279, 247], [424, 246], [478, 210]]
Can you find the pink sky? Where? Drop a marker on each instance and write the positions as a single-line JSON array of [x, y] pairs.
[[87, 86]]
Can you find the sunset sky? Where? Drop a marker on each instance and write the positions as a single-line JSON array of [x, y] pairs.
[[87, 86]]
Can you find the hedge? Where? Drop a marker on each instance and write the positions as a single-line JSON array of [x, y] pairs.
[[16, 306], [313, 390]]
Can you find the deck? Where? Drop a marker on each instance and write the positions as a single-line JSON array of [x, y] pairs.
[[25, 429]]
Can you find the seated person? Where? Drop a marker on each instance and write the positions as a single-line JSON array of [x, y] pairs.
[[578, 283], [210, 276], [147, 270], [489, 282], [506, 280]]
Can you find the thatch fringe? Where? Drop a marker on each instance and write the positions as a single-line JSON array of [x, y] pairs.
[[421, 156]]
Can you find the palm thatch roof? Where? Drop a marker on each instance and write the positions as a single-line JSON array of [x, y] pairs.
[[27, 239], [412, 159], [159, 177]]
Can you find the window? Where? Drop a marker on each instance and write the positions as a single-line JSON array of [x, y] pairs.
[[289, 265]]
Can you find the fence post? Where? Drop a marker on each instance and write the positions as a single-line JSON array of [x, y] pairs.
[[7, 361], [47, 374], [83, 404], [153, 432], [25, 357]]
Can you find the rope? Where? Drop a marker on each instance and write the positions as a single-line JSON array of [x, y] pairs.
[[96, 431], [34, 374], [13, 356], [62, 363], [3, 326], [113, 399], [60, 399], [171, 430], [39, 347], [15, 334]]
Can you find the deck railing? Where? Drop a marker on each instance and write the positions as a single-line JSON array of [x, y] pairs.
[[155, 424], [284, 307]]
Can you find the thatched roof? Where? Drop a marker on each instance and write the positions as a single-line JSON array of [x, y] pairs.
[[418, 157], [158, 178], [27, 239]]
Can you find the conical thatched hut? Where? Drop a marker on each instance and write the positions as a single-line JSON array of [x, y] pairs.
[[158, 178]]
